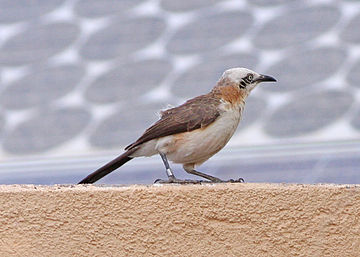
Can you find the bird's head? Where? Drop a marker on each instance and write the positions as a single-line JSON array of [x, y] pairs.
[[236, 84], [243, 79]]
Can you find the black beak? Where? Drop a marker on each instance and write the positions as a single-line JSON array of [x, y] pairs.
[[265, 78]]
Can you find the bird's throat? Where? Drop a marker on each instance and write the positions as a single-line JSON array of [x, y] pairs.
[[232, 95]]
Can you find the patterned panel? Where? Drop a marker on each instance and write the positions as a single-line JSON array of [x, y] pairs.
[[46, 130], [128, 81], [297, 27], [41, 87], [126, 125], [310, 111], [304, 69], [351, 33], [38, 43], [95, 8], [210, 32], [182, 6], [122, 37], [20, 10], [203, 76], [100, 71]]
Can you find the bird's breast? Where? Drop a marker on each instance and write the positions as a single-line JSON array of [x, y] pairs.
[[199, 145]]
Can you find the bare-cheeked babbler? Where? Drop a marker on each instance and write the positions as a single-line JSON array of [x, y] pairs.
[[194, 131]]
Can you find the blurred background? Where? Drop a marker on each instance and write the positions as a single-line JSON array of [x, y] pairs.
[[80, 79]]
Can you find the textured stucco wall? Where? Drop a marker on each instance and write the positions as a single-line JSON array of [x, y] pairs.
[[210, 220]]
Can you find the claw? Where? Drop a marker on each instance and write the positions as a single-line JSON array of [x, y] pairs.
[[157, 180], [240, 180]]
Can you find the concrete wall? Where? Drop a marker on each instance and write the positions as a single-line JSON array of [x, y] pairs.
[[208, 220]]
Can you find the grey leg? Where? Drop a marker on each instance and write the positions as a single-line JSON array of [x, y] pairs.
[[189, 168], [171, 176], [169, 172]]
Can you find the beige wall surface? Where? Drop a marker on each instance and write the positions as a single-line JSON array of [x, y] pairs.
[[193, 220]]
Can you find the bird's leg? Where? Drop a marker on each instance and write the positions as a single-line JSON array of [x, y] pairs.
[[190, 169], [171, 176], [169, 172]]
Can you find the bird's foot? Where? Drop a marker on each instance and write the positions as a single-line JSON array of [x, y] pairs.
[[173, 180], [177, 181], [240, 180]]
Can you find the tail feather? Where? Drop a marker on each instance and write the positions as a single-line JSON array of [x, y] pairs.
[[107, 168]]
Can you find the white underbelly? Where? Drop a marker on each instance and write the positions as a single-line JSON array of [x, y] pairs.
[[199, 145], [195, 146]]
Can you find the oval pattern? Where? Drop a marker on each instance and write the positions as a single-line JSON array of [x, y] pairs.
[[2, 124], [122, 38], [296, 27], [351, 32], [38, 43], [355, 121], [95, 8], [40, 88], [125, 126], [210, 32], [353, 76], [128, 81], [19, 10], [203, 77], [254, 108], [308, 113], [270, 2], [183, 6], [303, 69], [46, 130]]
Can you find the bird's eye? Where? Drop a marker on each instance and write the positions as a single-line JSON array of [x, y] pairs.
[[250, 77]]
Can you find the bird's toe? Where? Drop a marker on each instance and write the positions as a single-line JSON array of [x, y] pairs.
[[239, 180]]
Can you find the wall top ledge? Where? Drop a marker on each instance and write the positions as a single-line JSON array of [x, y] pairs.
[[245, 219], [159, 187]]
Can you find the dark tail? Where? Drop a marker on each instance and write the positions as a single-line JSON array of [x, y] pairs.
[[107, 168]]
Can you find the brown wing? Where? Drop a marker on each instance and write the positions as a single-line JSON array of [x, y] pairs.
[[196, 113]]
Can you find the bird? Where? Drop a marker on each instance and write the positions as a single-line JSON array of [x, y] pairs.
[[191, 133]]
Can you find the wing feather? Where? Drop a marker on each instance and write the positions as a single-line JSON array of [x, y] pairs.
[[196, 113]]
